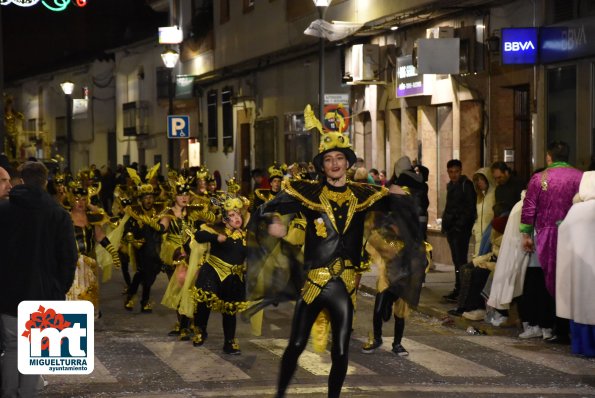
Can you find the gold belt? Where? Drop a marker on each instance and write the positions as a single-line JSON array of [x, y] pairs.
[[225, 269], [317, 279]]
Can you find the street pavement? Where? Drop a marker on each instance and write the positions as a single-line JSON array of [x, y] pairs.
[[135, 358]]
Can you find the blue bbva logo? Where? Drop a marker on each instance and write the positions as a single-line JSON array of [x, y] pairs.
[[56, 337]]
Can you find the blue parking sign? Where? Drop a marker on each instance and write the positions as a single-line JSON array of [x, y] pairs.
[[178, 126]]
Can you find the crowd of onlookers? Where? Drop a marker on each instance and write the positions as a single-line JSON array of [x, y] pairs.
[[526, 250]]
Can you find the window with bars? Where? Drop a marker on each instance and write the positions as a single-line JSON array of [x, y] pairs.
[[227, 114], [212, 136]]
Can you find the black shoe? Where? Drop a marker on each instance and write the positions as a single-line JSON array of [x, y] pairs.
[[456, 312], [371, 345], [400, 350], [185, 334], [558, 340], [199, 338], [231, 347], [175, 331], [451, 297]]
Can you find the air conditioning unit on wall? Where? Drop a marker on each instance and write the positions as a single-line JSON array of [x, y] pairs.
[[362, 63]]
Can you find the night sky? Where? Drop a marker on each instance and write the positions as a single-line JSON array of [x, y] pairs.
[[37, 40]]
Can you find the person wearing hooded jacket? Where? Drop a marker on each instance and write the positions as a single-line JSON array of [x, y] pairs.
[[485, 189], [38, 262]]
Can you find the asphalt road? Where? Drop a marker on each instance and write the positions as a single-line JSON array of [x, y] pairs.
[[135, 358]]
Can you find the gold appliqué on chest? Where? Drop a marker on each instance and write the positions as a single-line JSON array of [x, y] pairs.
[[338, 197]]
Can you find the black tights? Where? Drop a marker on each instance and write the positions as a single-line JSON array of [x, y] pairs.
[[383, 305], [336, 300], [201, 319]]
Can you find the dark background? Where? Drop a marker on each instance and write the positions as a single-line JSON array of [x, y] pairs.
[[37, 40]]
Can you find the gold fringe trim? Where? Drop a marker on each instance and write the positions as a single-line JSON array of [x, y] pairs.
[[213, 302]]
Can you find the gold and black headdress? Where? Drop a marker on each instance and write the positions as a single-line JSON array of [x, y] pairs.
[[277, 171], [329, 141]]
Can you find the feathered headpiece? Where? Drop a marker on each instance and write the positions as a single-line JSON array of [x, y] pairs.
[[232, 186], [228, 203], [60, 178], [329, 141], [182, 185], [76, 191], [202, 173], [147, 188], [277, 170]]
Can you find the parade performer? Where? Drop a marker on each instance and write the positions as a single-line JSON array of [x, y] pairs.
[[200, 195], [175, 251], [262, 195], [88, 222], [220, 284], [143, 243], [335, 211]]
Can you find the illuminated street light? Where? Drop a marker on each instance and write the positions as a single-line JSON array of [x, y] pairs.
[[321, 6], [68, 88], [170, 59]]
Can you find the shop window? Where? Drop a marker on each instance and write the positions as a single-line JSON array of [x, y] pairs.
[[61, 128], [162, 77], [561, 107], [32, 124], [265, 133], [212, 126], [227, 113], [298, 140]]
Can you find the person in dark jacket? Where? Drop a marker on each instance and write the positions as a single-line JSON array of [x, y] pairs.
[[38, 262], [458, 218], [509, 186]]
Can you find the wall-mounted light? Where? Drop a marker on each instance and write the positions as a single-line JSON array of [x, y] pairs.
[[170, 58], [67, 87], [395, 27]]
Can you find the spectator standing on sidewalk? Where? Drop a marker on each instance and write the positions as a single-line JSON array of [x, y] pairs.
[[458, 218], [509, 188], [36, 239], [549, 197], [575, 277]]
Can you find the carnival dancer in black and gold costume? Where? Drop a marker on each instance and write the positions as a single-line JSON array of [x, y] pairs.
[[263, 195], [220, 283], [175, 222], [335, 211], [143, 244], [88, 221], [200, 195]]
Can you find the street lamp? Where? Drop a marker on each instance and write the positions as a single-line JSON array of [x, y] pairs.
[[170, 59], [321, 6], [68, 88]]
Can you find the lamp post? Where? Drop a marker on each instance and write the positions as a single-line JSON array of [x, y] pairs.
[[67, 88], [170, 59], [321, 6]]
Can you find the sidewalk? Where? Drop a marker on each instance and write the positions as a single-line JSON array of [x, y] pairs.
[[440, 282]]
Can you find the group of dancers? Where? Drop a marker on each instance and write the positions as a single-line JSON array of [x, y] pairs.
[[302, 240]]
